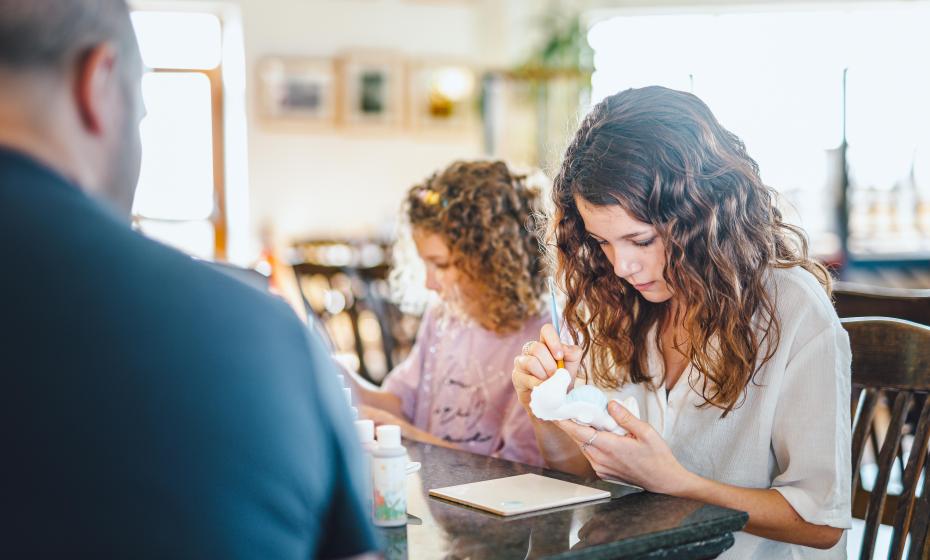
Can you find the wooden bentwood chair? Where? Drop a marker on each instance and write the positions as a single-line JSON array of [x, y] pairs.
[[891, 360]]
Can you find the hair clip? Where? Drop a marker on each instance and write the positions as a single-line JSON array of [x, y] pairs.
[[429, 197]]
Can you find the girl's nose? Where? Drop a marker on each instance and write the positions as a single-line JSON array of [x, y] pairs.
[[626, 267], [432, 283]]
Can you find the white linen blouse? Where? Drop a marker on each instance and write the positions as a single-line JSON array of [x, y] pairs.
[[792, 432]]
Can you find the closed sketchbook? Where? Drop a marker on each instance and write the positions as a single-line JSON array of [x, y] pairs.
[[519, 494]]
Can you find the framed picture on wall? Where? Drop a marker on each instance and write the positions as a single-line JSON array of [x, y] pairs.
[[372, 90], [297, 90], [443, 96]]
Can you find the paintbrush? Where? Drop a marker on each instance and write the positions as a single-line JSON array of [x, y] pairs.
[[553, 308]]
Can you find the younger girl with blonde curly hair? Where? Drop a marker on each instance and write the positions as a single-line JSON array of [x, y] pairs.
[[474, 227]]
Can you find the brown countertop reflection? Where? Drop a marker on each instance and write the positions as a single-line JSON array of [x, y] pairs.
[[631, 524]]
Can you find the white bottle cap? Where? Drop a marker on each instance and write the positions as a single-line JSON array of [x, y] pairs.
[[348, 395], [365, 430], [389, 436]]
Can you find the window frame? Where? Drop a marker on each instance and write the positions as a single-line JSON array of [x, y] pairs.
[[219, 216]]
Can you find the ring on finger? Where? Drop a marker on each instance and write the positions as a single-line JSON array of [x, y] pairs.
[[527, 347], [590, 441]]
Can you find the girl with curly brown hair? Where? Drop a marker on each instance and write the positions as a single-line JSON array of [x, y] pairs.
[[474, 227], [688, 291]]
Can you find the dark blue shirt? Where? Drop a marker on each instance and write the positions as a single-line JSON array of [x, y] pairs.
[[153, 407]]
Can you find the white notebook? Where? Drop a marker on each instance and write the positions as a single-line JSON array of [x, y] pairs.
[[519, 494]]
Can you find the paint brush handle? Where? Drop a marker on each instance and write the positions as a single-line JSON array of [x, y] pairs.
[[554, 310]]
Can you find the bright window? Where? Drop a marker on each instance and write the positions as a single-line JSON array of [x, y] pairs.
[[180, 195], [176, 182], [180, 40], [776, 80]]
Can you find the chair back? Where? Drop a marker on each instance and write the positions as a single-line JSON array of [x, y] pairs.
[[891, 363], [860, 300], [353, 304]]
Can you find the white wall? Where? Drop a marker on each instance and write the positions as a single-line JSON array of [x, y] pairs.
[[334, 182], [340, 183]]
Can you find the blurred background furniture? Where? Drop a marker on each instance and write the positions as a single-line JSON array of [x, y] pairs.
[[345, 284], [860, 300], [891, 363]]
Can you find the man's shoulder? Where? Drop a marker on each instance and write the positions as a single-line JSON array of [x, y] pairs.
[[237, 313], [96, 265]]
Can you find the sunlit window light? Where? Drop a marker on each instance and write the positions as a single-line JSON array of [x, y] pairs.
[[179, 40], [176, 181], [775, 79], [194, 238]]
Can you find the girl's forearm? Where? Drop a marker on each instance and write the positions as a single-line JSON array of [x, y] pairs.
[[371, 395], [558, 450], [423, 436], [770, 514]]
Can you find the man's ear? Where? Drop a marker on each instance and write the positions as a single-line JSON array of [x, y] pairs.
[[94, 86]]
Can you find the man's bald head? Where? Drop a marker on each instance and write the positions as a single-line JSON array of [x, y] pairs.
[[70, 92], [48, 35]]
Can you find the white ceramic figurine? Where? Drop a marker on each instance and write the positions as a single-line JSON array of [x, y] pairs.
[[585, 404]]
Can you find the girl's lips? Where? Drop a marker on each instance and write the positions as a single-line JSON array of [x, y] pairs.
[[645, 286]]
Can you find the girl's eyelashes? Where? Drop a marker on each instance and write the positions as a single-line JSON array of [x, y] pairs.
[[644, 243], [436, 263]]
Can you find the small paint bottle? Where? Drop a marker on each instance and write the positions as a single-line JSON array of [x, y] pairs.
[[366, 436], [347, 393], [389, 478]]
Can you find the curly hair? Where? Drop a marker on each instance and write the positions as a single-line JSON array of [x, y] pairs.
[[663, 157], [489, 218]]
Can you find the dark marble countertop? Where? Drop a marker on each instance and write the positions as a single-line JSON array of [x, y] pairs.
[[631, 524]]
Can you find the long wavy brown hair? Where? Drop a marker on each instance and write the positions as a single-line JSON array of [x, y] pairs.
[[489, 218], [661, 155]]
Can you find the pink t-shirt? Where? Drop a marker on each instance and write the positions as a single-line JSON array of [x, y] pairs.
[[456, 384]]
